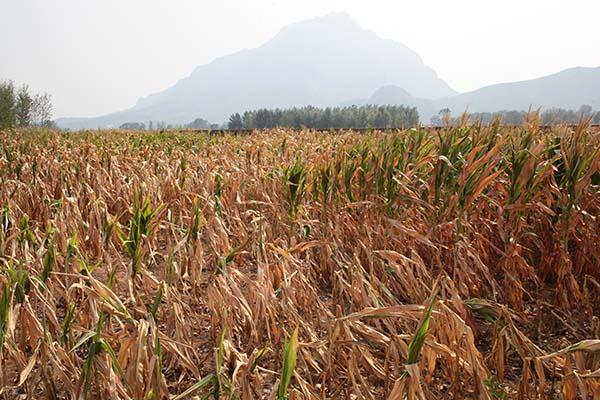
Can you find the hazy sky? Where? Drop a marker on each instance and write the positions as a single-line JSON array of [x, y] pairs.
[[99, 56]]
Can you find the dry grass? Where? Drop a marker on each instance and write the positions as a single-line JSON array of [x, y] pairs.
[[418, 264]]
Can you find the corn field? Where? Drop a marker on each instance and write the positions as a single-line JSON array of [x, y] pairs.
[[460, 263]]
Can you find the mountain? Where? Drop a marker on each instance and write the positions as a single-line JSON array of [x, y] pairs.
[[388, 94], [399, 95], [320, 62], [391, 94], [567, 89]]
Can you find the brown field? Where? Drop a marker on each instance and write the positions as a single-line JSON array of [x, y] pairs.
[[419, 264]]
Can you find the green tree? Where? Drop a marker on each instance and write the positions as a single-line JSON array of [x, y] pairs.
[[235, 121], [41, 113], [381, 119], [389, 116], [559, 116], [513, 117], [7, 105], [23, 107], [198, 123]]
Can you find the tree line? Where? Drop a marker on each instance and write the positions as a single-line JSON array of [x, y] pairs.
[[198, 123], [140, 126], [368, 116], [550, 116], [20, 108]]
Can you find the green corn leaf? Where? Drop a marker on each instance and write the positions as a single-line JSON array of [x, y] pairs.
[[289, 363], [84, 339], [66, 325], [416, 344], [207, 380], [157, 299], [113, 356], [259, 356], [4, 309]]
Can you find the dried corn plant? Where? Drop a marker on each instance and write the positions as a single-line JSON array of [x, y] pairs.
[[416, 264]]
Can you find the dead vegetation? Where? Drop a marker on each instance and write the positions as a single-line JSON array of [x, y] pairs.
[[458, 263]]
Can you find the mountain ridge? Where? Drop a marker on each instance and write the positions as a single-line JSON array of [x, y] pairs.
[[321, 62], [569, 89], [326, 61]]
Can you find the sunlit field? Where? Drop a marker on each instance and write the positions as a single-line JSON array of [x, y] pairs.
[[285, 264]]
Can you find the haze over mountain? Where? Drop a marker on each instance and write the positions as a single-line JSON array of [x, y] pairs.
[[320, 62], [330, 61], [391, 94], [567, 89]]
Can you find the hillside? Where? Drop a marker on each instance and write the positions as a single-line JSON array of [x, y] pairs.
[[320, 62], [567, 89]]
